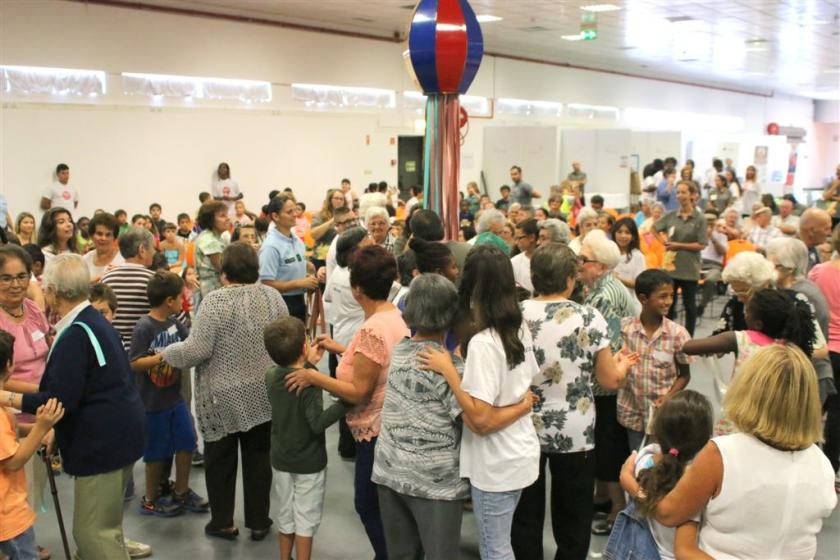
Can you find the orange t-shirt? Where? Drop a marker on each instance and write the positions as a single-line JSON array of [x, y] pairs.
[[15, 514]]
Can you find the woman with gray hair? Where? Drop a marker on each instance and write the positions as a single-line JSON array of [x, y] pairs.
[[746, 273], [587, 220], [572, 346], [489, 227], [377, 224], [553, 230], [417, 459], [598, 257], [790, 257], [101, 435]]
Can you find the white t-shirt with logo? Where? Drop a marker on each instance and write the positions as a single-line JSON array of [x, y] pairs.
[[228, 188], [508, 459], [61, 196]]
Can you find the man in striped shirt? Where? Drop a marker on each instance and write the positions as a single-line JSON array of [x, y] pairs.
[[129, 281]]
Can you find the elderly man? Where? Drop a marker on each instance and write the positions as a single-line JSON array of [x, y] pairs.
[[762, 231], [130, 279], [577, 176], [787, 221], [101, 435], [814, 229]]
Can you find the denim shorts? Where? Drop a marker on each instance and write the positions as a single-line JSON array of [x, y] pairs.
[[168, 432]]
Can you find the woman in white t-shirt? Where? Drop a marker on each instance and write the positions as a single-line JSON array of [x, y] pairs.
[[499, 458], [632, 261], [104, 230], [527, 233], [767, 488], [750, 192]]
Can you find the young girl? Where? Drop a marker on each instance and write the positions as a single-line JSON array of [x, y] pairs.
[[681, 428], [632, 262], [772, 317], [242, 216], [172, 248], [190, 296]]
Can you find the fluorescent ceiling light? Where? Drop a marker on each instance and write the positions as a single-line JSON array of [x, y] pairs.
[[487, 18], [577, 37], [601, 8], [832, 71]]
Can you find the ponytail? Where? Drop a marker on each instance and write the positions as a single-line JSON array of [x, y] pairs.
[[786, 315], [682, 427]]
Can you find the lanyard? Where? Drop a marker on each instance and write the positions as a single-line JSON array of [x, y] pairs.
[[100, 355]]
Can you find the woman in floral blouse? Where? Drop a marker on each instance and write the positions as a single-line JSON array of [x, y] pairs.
[[572, 346]]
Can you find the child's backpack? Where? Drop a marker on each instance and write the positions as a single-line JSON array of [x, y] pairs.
[[631, 538]]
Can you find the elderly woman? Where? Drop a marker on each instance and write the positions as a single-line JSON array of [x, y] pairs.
[[283, 264], [587, 220], [376, 222], [214, 221], [101, 435], [226, 347], [553, 230], [417, 456], [564, 412], [733, 228], [362, 374], [683, 231], [790, 257], [104, 229], [490, 225], [56, 234], [598, 257], [746, 273], [755, 482]]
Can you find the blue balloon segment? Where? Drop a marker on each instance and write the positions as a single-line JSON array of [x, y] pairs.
[[475, 47], [421, 45]]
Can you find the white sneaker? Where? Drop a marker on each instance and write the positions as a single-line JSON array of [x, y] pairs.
[[137, 549]]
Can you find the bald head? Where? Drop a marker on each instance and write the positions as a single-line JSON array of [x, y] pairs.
[[814, 226]]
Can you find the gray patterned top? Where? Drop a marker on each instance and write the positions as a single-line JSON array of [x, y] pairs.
[[227, 349], [418, 450]]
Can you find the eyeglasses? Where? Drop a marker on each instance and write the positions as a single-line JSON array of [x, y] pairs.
[[7, 279], [583, 260], [347, 223]]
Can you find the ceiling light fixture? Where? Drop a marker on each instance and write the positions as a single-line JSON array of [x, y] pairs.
[[487, 18], [577, 37], [601, 8]]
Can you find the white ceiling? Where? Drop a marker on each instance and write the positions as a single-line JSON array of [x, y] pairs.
[[790, 46]]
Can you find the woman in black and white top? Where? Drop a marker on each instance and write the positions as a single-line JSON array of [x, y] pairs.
[[226, 347]]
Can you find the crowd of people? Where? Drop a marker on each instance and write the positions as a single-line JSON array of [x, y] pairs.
[[547, 338]]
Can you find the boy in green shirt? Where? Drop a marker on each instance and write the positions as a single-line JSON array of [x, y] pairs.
[[298, 446]]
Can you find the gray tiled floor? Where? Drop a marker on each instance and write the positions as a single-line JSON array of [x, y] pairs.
[[341, 536]]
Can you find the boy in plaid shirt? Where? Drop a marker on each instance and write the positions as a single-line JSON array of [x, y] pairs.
[[663, 369]]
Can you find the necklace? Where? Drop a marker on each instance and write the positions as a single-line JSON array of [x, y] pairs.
[[15, 315]]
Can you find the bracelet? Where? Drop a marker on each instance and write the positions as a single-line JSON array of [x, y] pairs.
[[11, 397]]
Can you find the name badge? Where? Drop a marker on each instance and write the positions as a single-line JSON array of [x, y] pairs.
[[713, 197], [289, 260], [172, 330], [37, 335], [671, 231], [661, 356]]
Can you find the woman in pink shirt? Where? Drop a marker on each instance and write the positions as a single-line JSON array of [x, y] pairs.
[[22, 318], [362, 374], [827, 277]]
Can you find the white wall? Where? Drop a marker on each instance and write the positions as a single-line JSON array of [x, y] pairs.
[[125, 153]]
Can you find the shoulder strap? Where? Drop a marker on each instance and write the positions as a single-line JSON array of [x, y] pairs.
[[100, 355]]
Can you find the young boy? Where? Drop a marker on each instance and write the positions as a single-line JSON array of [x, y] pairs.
[[185, 231], [663, 368], [103, 299], [17, 533], [298, 447], [169, 429]]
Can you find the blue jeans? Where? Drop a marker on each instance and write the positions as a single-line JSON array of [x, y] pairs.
[[366, 498], [494, 517], [22, 547]]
